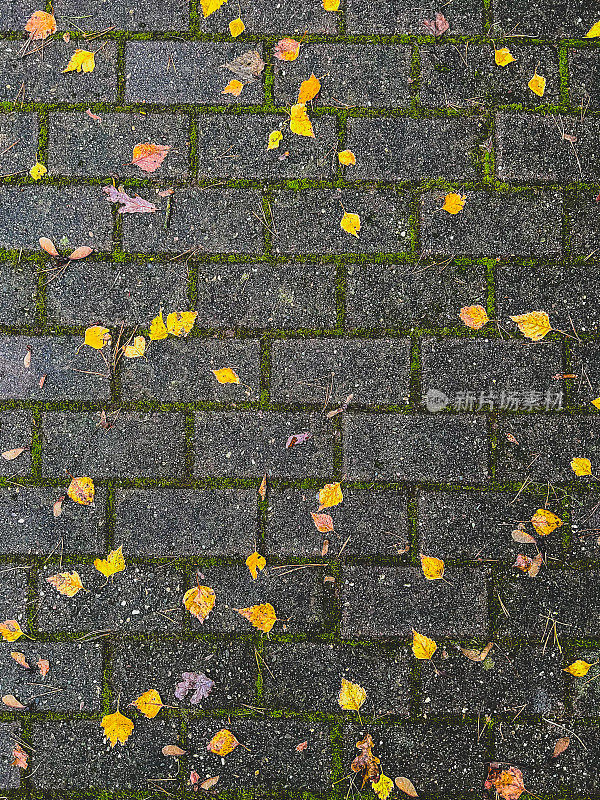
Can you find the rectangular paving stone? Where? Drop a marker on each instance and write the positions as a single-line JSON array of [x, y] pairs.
[[248, 445], [494, 224], [15, 431], [10, 777], [374, 523], [200, 221], [584, 693], [585, 366], [18, 142], [74, 682], [455, 77], [585, 239], [231, 665], [390, 295], [137, 444], [401, 148], [306, 676], [14, 14], [285, 295], [235, 146], [77, 212], [147, 15], [584, 72], [162, 522], [547, 444], [30, 526], [40, 77], [79, 145], [415, 448], [139, 599], [13, 595], [18, 287], [284, 17], [90, 293], [399, 16], [357, 75], [68, 369], [309, 221], [181, 370], [316, 370], [172, 72], [584, 528], [552, 19]]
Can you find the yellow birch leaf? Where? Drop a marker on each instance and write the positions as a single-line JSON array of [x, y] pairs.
[[581, 466], [117, 728], [199, 601], [299, 121], [350, 223], [474, 316], [37, 171], [330, 495], [309, 89], [180, 323], [114, 562], [148, 704], [537, 84], [236, 27], [255, 563], [331, 5], [10, 630], [262, 616], [503, 56], [81, 490], [225, 375], [222, 743], [596, 403], [210, 6], [454, 203], [137, 349], [593, 32], [422, 646], [545, 521], [351, 696], [274, 138], [40, 25], [234, 87], [347, 158], [433, 568], [97, 337], [534, 325], [383, 787], [81, 61], [67, 583], [158, 329], [578, 668]]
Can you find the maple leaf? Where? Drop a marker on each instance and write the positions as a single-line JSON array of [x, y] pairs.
[[67, 583], [40, 25], [534, 325], [37, 171], [309, 89], [330, 495], [130, 205], [474, 316], [222, 743], [433, 568], [351, 696], [113, 563], [383, 787], [366, 763], [454, 203], [286, 50], [199, 682], [81, 490], [578, 669], [117, 728], [234, 87], [300, 124], [507, 782], [148, 157], [581, 466], [10, 630], [406, 786], [537, 84], [594, 31], [247, 66], [97, 337], [422, 646], [225, 375], [503, 56], [350, 223], [274, 138], [545, 522], [20, 659], [437, 26], [148, 704], [347, 158], [19, 757], [199, 601], [81, 61], [323, 522], [180, 323], [236, 27], [262, 616], [135, 350], [210, 6], [255, 563]]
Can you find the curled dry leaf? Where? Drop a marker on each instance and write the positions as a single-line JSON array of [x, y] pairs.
[[222, 743], [44, 667], [351, 696], [66, 583], [330, 495], [286, 50], [423, 647], [256, 563], [81, 490], [10, 630], [113, 563], [366, 764], [199, 682], [20, 757], [129, 205], [247, 66], [581, 466], [10, 455], [323, 522], [48, 246], [350, 223], [477, 655], [27, 358], [194, 778], [148, 703], [173, 750], [20, 659], [433, 568], [545, 522], [81, 61], [301, 747], [342, 408], [117, 728], [199, 601], [579, 668], [11, 701], [297, 438], [262, 616], [406, 786], [560, 746], [209, 783], [225, 375], [534, 325], [507, 782], [148, 157], [93, 116], [40, 25], [474, 316], [300, 124], [262, 489], [437, 26]]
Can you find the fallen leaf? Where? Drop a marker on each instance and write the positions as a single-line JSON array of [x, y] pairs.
[[581, 466], [234, 87], [97, 337], [236, 27], [80, 252], [40, 25], [10, 455], [180, 323], [537, 84], [406, 786], [286, 50], [330, 495], [351, 696], [474, 316], [422, 646], [454, 203], [42, 381], [300, 124], [274, 138], [596, 403], [225, 375], [534, 325], [256, 563], [19, 757], [199, 601], [331, 5], [37, 171], [57, 506], [222, 743], [350, 223], [135, 350], [130, 205], [347, 158], [503, 56], [113, 563], [545, 522], [262, 489], [594, 31], [10, 630], [148, 703], [301, 747], [309, 89], [166, 192], [383, 787], [529, 565], [93, 116], [522, 537], [248, 66], [342, 408], [560, 746], [437, 26], [261, 616], [173, 750], [199, 682], [158, 329], [20, 659], [117, 728], [507, 782], [48, 245], [323, 522], [209, 783], [366, 763], [44, 667], [11, 701], [578, 669], [81, 490], [81, 61], [27, 358], [66, 583], [148, 157], [297, 438], [194, 778], [433, 568], [477, 655], [210, 6]]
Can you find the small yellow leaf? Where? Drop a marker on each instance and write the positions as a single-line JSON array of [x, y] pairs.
[[37, 171], [148, 704], [593, 32], [117, 728], [537, 84], [351, 696], [199, 601], [81, 490], [433, 568], [454, 203], [236, 27], [578, 668], [180, 323], [255, 563], [581, 466], [114, 562], [222, 743], [210, 6], [347, 158], [234, 87], [309, 89], [503, 56], [158, 329], [274, 138], [330, 495], [422, 646], [331, 5], [225, 375], [262, 616], [350, 223], [137, 349], [383, 787], [67, 583], [596, 403], [534, 325], [299, 121], [81, 61], [97, 337], [545, 521], [10, 630], [474, 316]]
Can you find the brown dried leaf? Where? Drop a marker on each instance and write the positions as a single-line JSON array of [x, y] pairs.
[[57, 507], [507, 782], [48, 245], [300, 748], [173, 750], [437, 26], [560, 746], [522, 537], [297, 438], [366, 763], [93, 116], [19, 757], [130, 205], [80, 252], [248, 66], [43, 666], [406, 786], [209, 783], [477, 655], [10, 455], [27, 358], [20, 659], [11, 701]]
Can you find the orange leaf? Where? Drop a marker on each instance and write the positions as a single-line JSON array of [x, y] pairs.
[[149, 157], [474, 316], [309, 89], [262, 489], [43, 666], [261, 616], [323, 522], [454, 203], [48, 246], [117, 728], [433, 568], [40, 25], [222, 743], [80, 252], [347, 158], [234, 87], [11, 701], [507, 782], [286, 49], [67, 583], [19, 757], [199, 601], [20, 659]]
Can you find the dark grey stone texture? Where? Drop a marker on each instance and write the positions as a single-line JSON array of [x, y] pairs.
[[550, 19], [18, 286], [584, 69], [15, 13], [13, 595], [400, 16], [585, 366], [147, 15], [583, 216], [284, 17], [18, 143], [10, 777], [15, 431]]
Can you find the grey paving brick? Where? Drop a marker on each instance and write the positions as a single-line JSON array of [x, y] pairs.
[[200, 221], [248, 445], [71, 754], [30, 526], [264, 295], [164, 522], [9, 776], [185, 72], [316, 370], [402, 148], [585, 366], [13, 596], [398, 16], [15, 13], [415, 448], [15, 431], [584, 69], [583, 215], [73, 683], [147, 15], [309, 221], [451, 78], [494, 224], [307, 676], [138, 599], [231, 665], [39, 76], [583, 692], [356, 75], [236, 146], [551, 19], [284, 17], [137, 444], [18, 142], [374, 523], [33, 211], [585, 528], [18, 284], [109, 294], [547, 444], [390, 601], [181, 370], [388, 295], [67, 365], [79, 145]]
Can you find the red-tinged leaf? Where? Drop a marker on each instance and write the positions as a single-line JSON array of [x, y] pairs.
[[148, 157], [173, 750], [199, 682], [194, 778], [209, 783], [19, 757], [48, 246], [130, 205], [44, 667], [93, 116], [166, 192], [286, 50], [20, 659], [437, 26], [301, 747], [262, 489], [80, 252], [507, 782], [323, 522], [298, 438], [57, 507]]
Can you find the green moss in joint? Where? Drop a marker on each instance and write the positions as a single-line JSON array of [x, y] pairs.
[[563, 71], [111, 516], [193, 134], [190, 438], [415, 380]]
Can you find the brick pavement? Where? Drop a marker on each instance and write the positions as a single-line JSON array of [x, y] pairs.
[[306, 315]]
